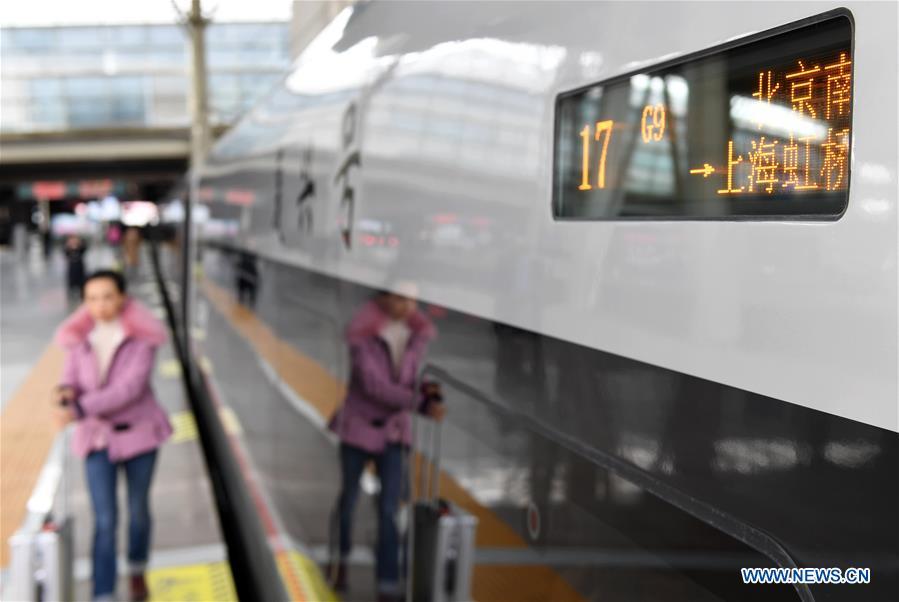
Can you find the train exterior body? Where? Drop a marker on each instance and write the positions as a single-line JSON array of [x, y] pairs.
[[695, 389]]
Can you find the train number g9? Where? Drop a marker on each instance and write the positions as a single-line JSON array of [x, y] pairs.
[[652, 126]]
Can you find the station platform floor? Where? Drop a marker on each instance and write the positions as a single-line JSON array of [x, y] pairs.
[[288, 458], [188, 561]]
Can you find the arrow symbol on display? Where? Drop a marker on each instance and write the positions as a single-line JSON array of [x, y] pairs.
[[705, 170]]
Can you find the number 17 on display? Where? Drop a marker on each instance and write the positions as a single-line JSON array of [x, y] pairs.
[[604, 133]]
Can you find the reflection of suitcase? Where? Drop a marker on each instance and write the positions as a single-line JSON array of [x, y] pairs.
[[443, 537]]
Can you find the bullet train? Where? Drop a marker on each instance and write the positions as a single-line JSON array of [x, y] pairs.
[[659, 244]]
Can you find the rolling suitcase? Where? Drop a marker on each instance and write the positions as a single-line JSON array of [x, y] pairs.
[[442, 537], [56, 541], [42, 560], [41, 564], [55, 559]]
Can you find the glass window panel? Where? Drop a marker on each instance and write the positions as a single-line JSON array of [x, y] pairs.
[[220, 35], [222, 57], [84, 59], [106, 111], [167, 35], [169, 110], [254, 84], [105, 86], [79, 38], [170, 85], [48, 112], [128, 109], [88, 112], [27, 39], [46, 88], [80, 87], [170, 56], [224, 84], [129, 35]]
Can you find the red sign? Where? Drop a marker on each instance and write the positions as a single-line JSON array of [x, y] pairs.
[[48, 191], [94, 188], [240, 196]]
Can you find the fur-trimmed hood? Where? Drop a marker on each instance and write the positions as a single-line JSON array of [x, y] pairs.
[[370, 318], [137, 321]]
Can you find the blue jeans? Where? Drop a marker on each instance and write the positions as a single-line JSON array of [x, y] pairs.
[[101, 480], [389, 465]]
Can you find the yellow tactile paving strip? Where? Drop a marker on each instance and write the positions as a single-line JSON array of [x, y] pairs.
[[291, 577], [302, 578], [169, 368], [192, 583], [314, 587], [184, 426], [26, 436], [316, 385]]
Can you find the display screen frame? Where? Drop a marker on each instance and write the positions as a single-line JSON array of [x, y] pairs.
[[834, 14]]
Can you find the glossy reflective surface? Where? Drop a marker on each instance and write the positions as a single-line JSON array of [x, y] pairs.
[[594, 443], [428, 148], [732, 381]]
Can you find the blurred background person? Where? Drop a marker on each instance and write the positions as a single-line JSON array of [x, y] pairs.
[[111, 346], [113, 234], [131, 243], [247, 278], [74, 249], [387, 338], [46, 232]]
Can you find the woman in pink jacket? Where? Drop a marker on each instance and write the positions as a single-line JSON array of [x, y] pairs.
[[387, 338], [111, 346]]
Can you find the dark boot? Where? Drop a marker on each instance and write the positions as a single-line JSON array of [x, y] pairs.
[[382, 597], [139, 591], [336, 576]]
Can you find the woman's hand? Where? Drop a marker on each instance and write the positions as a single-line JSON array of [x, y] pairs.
[[431, 390], [433, 395], [436, 410], [64, 406], [64, 395]]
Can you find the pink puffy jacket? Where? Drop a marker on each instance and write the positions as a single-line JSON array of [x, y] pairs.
[[378, 405], [123, 411]]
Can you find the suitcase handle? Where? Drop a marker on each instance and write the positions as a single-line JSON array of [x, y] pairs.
[[429, 478], [429, 484]]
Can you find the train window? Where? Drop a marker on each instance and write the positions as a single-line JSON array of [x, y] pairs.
[[758, 128]]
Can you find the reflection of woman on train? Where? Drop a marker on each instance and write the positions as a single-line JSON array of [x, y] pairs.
[[387, 338], [131, 251], [246, 278], [111, 342]]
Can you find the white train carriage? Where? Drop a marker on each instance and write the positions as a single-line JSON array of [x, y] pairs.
[[664, 238]]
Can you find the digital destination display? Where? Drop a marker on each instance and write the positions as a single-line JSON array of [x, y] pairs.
[[756, 129]]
